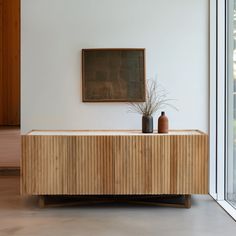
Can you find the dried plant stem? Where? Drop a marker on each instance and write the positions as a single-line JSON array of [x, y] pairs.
[[156, 99]]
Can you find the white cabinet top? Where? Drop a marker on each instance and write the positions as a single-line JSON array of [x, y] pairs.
[[110, 132]]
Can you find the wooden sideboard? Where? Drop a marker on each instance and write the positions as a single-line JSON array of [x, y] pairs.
[[114, 163]]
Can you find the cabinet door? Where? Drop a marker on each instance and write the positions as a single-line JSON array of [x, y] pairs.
[[142, 164], [189, 164], [67, 165]]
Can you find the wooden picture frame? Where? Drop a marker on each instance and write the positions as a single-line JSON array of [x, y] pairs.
[[113, 75]]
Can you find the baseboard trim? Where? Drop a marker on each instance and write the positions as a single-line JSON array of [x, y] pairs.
[[9, 171]]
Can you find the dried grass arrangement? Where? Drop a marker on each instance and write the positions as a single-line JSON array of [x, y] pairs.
[[156, 99]]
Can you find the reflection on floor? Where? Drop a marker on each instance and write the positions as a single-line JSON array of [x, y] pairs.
[[22, 217], [9, 146]]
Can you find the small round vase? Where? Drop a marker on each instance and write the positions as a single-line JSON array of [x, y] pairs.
[[147, 124]]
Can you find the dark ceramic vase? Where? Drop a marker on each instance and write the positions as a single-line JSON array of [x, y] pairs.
[[147, 124]]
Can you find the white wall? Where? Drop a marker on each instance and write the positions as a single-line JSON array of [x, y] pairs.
[[174, 33]]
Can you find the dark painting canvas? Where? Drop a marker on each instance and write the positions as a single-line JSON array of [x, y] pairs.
[[113, 75]]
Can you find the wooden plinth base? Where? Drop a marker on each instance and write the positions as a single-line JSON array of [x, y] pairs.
[[179, 201]]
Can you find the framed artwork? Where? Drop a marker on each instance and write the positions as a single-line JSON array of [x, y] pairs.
[[113, 75]]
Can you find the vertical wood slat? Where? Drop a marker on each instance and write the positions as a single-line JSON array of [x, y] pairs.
[[9, 62], [154, 164]]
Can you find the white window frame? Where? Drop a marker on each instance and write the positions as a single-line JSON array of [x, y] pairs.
[[212, 115], [218, 132]]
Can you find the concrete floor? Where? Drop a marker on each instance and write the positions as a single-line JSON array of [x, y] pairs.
[[21, 216]]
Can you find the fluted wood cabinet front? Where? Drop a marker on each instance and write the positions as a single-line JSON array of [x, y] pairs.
[[114, 163]]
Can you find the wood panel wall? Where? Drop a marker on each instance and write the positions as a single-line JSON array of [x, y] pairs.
[[9, 62], [159, 164]]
